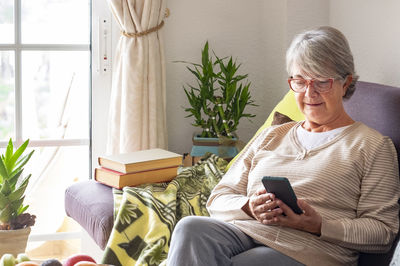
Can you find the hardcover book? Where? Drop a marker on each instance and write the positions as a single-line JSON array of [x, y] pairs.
[[141, 160], [120, 180]]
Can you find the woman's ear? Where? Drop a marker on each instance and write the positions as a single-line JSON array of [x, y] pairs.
[[347, 83]]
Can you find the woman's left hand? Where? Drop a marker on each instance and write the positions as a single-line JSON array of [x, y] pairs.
[[309, 221]]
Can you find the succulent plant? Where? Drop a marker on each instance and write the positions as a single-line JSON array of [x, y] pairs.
[[12, 188]]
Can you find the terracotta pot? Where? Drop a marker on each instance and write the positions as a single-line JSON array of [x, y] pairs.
[[14, 241]]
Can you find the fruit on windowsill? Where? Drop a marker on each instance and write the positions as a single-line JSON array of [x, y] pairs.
[[51, 262], [85, 263], [28, 263], [7, 260], [74, 259], [21, 258]]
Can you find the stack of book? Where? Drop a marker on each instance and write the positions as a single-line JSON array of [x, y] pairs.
[[141, 167]]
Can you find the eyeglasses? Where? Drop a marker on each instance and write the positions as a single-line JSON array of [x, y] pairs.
[[301, 85]]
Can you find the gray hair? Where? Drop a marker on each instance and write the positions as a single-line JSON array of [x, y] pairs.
[[324, 52]]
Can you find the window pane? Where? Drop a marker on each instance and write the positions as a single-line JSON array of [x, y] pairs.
[[6, 21], [55, 21], [53, 169], [7, 99], [55, 94]]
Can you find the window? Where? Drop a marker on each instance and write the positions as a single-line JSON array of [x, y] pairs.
[[45, 96]]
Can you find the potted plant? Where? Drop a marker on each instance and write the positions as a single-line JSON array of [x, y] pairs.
[[15, 223], [217, 103]]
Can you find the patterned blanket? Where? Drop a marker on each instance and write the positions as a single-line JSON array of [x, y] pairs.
[[146, 215]]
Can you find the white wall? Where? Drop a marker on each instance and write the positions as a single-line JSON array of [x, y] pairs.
[[305, 14], [257, 33], [248, 30], [373, 30]]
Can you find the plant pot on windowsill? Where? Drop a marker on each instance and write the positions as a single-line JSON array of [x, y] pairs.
[[225, 148], [15, 223], [14, 241]]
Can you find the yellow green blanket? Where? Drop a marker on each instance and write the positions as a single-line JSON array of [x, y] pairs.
[[147, 215]]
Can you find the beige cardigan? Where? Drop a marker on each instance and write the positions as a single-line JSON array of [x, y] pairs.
[[352, 181]]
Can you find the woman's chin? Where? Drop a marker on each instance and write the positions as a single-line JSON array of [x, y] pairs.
[[316, 117], [316, 120]]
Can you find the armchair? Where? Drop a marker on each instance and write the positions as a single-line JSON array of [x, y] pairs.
[[378, 106]]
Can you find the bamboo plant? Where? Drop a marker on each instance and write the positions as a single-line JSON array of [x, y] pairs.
[[218, 100], [12, 188]]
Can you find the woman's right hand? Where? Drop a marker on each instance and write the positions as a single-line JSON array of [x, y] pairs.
[[262, 206]]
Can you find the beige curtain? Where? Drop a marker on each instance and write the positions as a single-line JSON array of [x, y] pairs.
[[137, 117]]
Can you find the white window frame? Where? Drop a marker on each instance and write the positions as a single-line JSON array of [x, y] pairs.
[[18, 47]]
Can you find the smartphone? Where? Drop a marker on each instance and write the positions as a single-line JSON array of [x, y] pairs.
[[280, 186]]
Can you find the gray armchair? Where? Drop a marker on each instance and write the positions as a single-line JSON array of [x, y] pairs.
[[378, 106]]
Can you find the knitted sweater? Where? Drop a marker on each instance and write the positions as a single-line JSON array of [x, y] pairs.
[[352, 181]]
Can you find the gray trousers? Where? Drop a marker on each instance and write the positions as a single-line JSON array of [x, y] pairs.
[[206, 241]]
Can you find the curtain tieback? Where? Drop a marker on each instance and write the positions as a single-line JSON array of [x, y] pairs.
[[143, 33]]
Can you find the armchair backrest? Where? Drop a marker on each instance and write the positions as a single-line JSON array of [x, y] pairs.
[[378, 106]]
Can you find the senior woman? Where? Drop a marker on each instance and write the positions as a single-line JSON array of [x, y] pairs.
[[344, 174]]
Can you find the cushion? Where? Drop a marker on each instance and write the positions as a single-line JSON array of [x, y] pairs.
[[286, 106], [91, 205], [280, 119]]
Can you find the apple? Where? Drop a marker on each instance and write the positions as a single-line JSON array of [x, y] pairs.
[[7, 260], [85, 263], [72, 260], [22, 257], [28, 263]]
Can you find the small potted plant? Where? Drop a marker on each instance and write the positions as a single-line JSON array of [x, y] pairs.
[[15, 223], [217, 103]]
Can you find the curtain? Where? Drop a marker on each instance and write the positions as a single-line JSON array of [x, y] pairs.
[[137, 116]]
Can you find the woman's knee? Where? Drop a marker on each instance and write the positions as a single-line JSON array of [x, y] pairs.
[[191, 225]]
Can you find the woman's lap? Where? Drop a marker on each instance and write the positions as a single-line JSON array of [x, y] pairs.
[[205, 241], [261, 256]]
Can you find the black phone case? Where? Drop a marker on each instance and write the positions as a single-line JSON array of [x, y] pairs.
[[280, 186]]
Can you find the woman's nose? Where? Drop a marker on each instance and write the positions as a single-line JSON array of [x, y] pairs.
[[310, 90]]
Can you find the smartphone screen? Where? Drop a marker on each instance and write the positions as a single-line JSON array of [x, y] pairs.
[[280, 186]]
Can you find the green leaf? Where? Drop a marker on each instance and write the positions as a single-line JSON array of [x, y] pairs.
[[22, 209], [9, 153], [17, 194], [16, 155], [25, 180], [14, 178], [3, 172], [196, 73], [3, 201], [21, 163], [5, 214], [204, 55], [16, 205], [5, 189]]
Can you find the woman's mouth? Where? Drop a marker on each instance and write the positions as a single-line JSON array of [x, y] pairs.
[[313, 104]]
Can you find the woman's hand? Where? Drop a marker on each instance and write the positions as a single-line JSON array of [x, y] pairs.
[[262, 206], [309, 221], [265, 208]]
